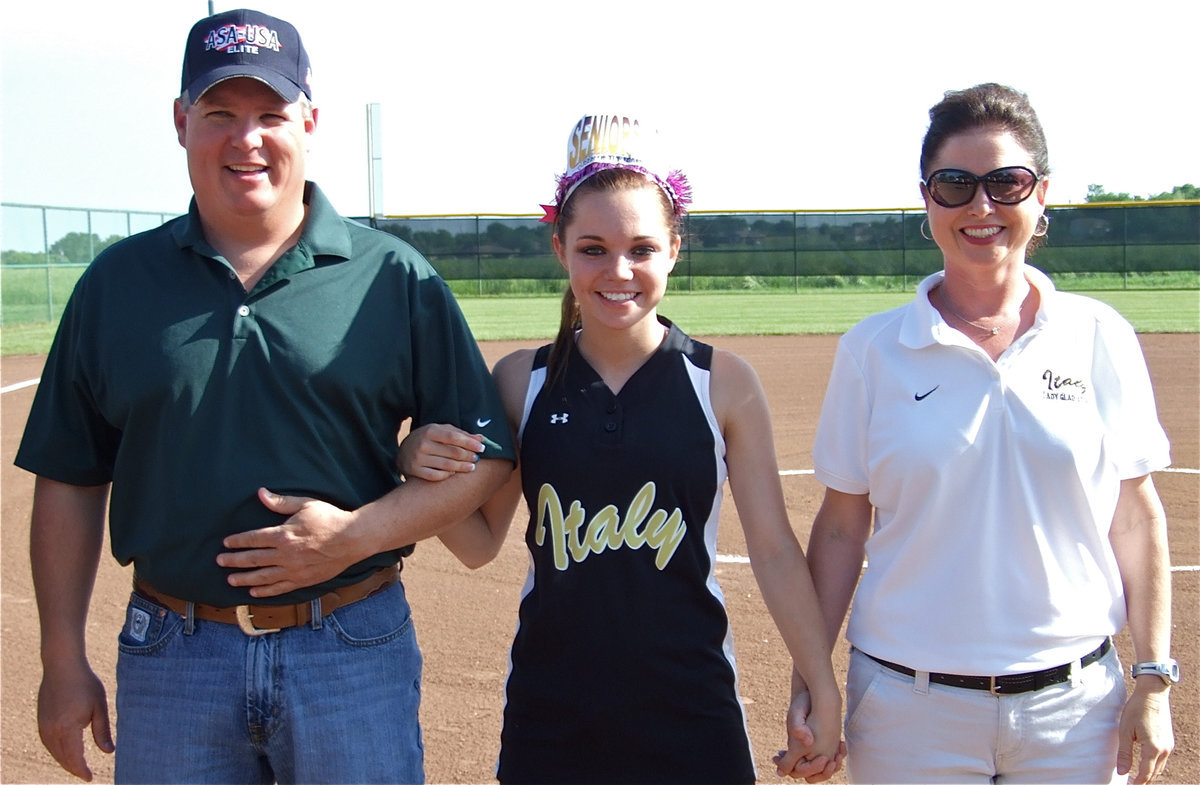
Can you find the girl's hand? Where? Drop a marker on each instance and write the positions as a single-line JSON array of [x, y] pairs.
[[438, 451], [801, 760]]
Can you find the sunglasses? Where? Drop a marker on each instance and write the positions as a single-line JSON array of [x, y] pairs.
[[955, 187]]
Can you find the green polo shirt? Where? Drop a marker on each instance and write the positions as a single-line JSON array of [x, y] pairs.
[[187, 393]]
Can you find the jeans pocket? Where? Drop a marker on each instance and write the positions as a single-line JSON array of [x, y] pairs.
[[373, 621], [862, 684], [148, 627]]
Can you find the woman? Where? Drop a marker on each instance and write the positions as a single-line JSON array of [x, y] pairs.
[[622, 667], [1002, 436]]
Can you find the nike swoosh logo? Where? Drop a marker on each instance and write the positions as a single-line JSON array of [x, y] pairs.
[[482, 423], [926, 395]]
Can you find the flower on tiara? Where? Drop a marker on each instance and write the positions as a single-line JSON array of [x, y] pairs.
[[675, 185], [600, 142]]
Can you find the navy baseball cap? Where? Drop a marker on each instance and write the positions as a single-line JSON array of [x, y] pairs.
[[245, 43]]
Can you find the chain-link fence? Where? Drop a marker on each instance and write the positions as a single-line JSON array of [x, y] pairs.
[[43, 251], [1127, 245]]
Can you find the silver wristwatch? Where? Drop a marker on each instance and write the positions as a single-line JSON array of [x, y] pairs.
[[1167, 670]]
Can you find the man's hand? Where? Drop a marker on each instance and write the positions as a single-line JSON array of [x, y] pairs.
[[67, 704], [319, 541], [65, 538], [313, 545]]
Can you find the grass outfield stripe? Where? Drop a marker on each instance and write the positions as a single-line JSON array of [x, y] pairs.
[[808, 312], [799, 313]]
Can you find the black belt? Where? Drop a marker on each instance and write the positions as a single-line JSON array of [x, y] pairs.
[[1009, 684]]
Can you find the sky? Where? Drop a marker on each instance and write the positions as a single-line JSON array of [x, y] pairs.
[[784, 105]]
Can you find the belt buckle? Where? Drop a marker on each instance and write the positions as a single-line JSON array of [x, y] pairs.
[[993, 686], [246, 623]]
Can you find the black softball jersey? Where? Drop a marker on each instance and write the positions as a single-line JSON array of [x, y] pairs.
[[622, 668]]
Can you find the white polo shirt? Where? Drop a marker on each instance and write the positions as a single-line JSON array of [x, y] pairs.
[[994, 483]]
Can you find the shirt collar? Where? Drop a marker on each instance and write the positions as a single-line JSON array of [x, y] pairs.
[[923, 325], [325, 234]]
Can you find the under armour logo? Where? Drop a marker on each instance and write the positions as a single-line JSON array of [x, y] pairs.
[[558, 419]]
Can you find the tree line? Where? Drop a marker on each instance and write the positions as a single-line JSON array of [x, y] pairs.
[[1096, 193], [524, 240]]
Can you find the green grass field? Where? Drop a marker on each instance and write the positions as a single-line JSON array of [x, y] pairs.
[[729, 313], [805, 312]]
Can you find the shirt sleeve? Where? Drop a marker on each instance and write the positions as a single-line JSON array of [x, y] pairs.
[[66, 437], [452, 383], [840, 446], [1136, 439]]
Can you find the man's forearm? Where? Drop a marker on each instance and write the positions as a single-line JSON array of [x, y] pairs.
[[65, 540], [420, 509], [318, 540]]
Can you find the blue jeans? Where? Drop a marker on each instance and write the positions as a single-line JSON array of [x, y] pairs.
[[335, 701]]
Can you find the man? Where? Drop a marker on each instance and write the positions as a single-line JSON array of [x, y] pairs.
[[236, 379]]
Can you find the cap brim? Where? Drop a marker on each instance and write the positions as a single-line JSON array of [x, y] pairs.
[[286, 88]]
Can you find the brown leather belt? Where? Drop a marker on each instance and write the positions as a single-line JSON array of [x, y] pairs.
[[261, 619]]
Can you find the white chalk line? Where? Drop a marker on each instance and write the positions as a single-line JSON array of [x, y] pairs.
[[19, 385], [1169, 470], [736, 559], [729, 558], [721, 557]]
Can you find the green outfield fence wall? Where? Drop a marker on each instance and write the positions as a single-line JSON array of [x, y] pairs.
[[44, 249]]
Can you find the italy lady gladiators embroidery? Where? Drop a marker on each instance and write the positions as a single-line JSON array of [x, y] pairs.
[[1063, 388], [607, 529]]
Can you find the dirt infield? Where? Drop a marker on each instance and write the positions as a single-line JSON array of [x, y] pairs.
[[465, 619]]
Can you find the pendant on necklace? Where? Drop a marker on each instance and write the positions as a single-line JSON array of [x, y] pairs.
[[995, 331]]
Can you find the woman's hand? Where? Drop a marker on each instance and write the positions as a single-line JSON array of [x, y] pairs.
[[437, 451], [801, 760]]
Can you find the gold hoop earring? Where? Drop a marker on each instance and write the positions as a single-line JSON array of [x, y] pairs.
[[924, 228], [1043, 226]]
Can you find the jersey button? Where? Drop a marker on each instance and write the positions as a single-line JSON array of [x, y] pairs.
[[610, 427], [244, 310]]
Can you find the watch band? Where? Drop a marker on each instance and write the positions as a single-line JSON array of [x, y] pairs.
[[1167, 670]]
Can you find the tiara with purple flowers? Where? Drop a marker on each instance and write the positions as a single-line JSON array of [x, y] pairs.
[[599, 142]]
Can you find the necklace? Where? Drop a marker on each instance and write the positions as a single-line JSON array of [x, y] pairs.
[[961, 318]]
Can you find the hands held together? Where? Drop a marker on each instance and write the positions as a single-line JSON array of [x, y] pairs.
[[801, 760]]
